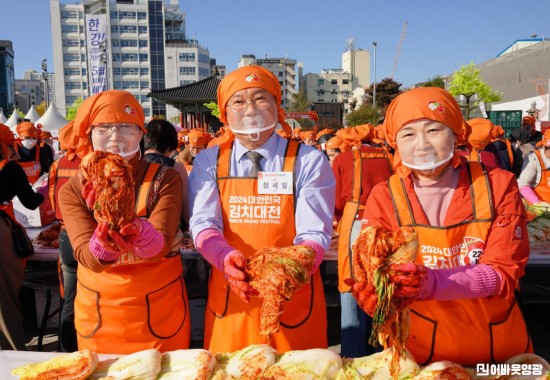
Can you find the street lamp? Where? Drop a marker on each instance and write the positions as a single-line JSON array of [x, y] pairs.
[[374, 87]]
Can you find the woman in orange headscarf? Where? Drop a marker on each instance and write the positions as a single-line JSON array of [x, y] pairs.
[[479, 147], [472, 235], [534, 180], [34, 159], [14, 183], [130, 293]]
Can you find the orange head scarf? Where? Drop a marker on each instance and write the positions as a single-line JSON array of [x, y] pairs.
[[528, 120], [27, 129], [296, 132], [482, 133], [250, 77], [337, 143], [283, 133], [497, 132], [357, 134], [74, 145], [326, 131], [113, 106], [197, 138], [44, 135], [545, 142], [308, 135], [6, 139], [431, 103]]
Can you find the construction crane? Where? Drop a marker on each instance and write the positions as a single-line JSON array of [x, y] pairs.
[[403, 35]]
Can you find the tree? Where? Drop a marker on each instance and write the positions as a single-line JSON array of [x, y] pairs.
[[299, 102], [365, 114], [386, 90], [213, 107], [41, 108], [466, 82], [436, 81], [71, 111]]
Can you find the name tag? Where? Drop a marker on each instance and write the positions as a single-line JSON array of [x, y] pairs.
[[275, 182]]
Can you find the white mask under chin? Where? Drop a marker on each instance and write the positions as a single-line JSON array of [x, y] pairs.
[[128, 154], [428, 163], [253, 133]]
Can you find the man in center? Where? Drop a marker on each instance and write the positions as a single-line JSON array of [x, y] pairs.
[[259, 190]]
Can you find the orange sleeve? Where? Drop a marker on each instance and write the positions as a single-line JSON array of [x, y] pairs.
[[507, 248]]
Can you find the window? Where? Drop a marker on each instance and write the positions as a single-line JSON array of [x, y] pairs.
[[187, 57], [115, 57], [143, 57], [281, 73], [130, 71], [204, 58], [345, 81], [114, 28], [69, 28], [204, 72], [71, 57], [128, 29], [142, 16], [71, 72], [69, 14], [69, 43], [116, 70], [142, 29], [144, 84], [130, 84], [143, 43], [117, 85], [115, 43], [144, 71], [127, 15], [114, 15], [320, 82], [334, 81], [184, 82], [128, 57], [128, 43], [187, 70]]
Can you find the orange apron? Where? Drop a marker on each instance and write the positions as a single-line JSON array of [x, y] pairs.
[[253, 221], [542, 189], [60, 172], [32, 168], [135, 304], [188, 168], [470, 331], [474, 156], [349, 215]]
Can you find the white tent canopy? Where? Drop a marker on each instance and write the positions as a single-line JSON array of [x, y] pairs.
[[32, 115], [12, 121], [3, 117], [52, 119]]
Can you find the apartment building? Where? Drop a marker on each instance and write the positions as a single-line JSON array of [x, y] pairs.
[[143, 47], [283, 68]]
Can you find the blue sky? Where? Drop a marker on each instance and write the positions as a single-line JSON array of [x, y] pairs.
[[440, 37]]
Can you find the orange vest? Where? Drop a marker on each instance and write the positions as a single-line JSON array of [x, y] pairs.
[[135, 304], [60, 172], [542, 189], [253, 221], [345, 268], [508, 149], [188, 168], [468, 331], [32, 168]]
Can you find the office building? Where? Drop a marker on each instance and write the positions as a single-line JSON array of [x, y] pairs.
[[7, 77], [144, 47]]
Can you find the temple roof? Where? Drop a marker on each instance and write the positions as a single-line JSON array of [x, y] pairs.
[[197, 93]]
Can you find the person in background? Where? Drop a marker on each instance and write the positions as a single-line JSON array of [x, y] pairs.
[[130, 295], [505, 152], [356, 171], [160, 143], [14, 183], [223, 180], [528, 126], [309, 138], [46, 140], [479, 147], [59, 174], [197, 142], [534, 180], [334, 147], [472, 237], [34, 160]]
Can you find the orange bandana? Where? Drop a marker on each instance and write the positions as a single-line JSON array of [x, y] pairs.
[[27, 129], [357, 134], [431, 103], [250, 77], [481, 134], [197, 138], [113, 106], [6, 139]]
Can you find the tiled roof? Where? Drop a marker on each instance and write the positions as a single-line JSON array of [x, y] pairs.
[[200, 92]]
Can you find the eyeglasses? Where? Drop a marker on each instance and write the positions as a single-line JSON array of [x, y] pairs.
[[107, 129], [239, 106]]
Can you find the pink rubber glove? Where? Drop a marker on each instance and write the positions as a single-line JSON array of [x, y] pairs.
[[409, 279], [149, 242], [100, 249], [213, 246], [319, 252], [115, 241], [466, 282], [234, 268], [528, 193]]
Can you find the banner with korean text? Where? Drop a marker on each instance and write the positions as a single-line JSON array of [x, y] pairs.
[[96, 49]]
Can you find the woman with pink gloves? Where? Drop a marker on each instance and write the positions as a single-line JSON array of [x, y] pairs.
[[131, 295]]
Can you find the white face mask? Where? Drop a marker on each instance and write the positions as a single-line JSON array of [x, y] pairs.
[[29, 144], [124, 154], [427, 163], [254, 131]]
